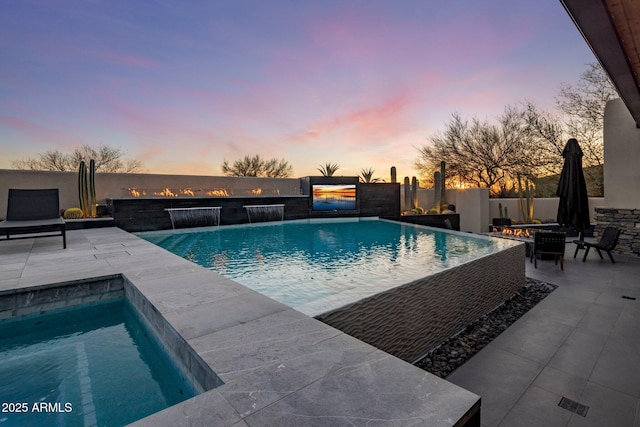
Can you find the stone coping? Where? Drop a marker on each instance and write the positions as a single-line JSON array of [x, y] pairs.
[[278, 366]]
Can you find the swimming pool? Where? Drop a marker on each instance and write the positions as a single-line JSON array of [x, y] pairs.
[[312, 265], [400, 287], [95, 364]]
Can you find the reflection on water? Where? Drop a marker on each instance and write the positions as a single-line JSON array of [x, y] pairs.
[[296, 262]]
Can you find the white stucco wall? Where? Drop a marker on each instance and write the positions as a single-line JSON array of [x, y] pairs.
[[114, 185], [621, 157]]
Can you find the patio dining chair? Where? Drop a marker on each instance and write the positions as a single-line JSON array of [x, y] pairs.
[[33, 212], [607, 243], [548, 243]]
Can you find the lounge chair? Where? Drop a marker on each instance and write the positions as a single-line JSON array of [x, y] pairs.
[[33, 211], [607, 243], [549, 243]]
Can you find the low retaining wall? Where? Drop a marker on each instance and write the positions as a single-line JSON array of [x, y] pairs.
[[149, 214], [409, 320], [628, 220]]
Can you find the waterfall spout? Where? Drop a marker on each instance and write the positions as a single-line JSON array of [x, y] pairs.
[[262, 213], [194, 217]]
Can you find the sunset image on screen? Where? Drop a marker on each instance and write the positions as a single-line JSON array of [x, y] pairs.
[[334, 197]]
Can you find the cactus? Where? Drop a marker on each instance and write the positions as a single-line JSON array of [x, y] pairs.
[[526, 200], [414, 193], [393, 174], [87, 189], [92, 188], [437, 187], [407, 194], [83, 192], [443, 192], [72, 213]]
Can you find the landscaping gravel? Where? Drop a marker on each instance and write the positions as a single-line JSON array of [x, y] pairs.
[[456, 350]]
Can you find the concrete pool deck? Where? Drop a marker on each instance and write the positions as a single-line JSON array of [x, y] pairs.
[[581, 342], [279, 367]]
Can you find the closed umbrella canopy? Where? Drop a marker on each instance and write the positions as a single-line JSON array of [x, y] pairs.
[[573, 208]]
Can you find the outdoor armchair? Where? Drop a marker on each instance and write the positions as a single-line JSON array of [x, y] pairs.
[[548, 243], [33, 212], [607, 243]]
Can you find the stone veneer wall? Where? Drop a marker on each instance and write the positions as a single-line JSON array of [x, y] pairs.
[[628, 220], [408, 320]]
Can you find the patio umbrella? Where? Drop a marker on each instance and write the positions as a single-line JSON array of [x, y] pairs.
[[573, 208]]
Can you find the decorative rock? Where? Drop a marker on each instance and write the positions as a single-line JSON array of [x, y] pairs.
[[456, 350]]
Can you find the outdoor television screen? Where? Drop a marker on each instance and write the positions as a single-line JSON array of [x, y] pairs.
[[332, 197]]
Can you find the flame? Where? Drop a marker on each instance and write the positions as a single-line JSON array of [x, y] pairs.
[[134, 192], [187, 192], [517, 232], [165, 193], [220, 192], [256, 191]]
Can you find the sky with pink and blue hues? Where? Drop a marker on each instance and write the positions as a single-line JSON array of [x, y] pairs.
[[183, 85]]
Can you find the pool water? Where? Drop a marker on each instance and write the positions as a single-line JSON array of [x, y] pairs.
[[93, 365], [302, 262]]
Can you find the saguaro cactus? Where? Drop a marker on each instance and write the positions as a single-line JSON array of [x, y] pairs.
[[393, 174], [407, 194], [437, 190], [83, 192], [525, 194], [414, 192], [443, 192], [92, 188], [86, 188]]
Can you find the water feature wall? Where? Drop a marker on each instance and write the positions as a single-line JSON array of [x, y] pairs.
[[194, 217], [408, 320], [263, 213], [148, 213]]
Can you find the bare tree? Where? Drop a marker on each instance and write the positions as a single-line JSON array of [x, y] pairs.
[[108, 159], [583, 109], [525, 141], [257, 166], [481, 153], [582, 117]]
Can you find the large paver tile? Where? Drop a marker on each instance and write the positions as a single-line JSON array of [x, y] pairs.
[[204, 410], [536, 338], [579, 353], [213, 316], [350, 396], [537, 407], [618, 367], [499, 377], [607, 407]]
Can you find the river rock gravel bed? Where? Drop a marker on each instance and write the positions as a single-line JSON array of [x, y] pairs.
[[456, 350]]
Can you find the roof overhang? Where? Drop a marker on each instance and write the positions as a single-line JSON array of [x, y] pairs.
[[611, 28]]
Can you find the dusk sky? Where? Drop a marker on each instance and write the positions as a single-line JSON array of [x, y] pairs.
[[184, 85]]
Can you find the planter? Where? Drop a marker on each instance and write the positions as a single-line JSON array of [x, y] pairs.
[[433, 220], [83, 223]]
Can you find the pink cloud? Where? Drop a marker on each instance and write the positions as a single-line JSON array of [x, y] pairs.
[[380, 120]]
